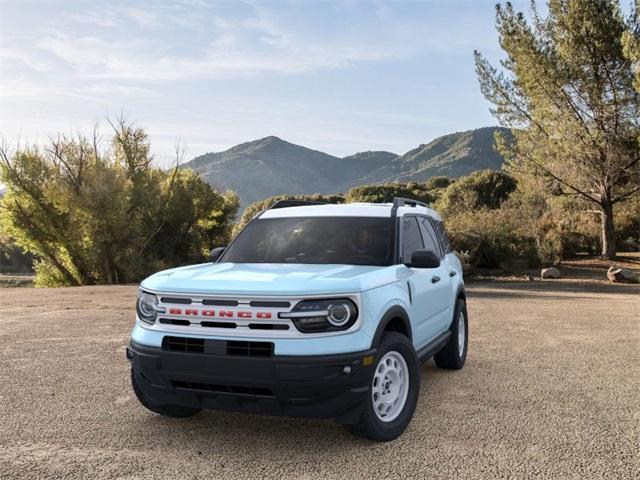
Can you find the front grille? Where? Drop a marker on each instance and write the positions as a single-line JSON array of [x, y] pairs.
[[178, 301], [218, 324], [268, 326], [269, 304], [175, 321], [250, 349], [230, 389], [179, 344], [220, 303], [259, 318]]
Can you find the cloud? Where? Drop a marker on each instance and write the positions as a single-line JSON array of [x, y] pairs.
[[142, 17], [251, 45], [235, 63]]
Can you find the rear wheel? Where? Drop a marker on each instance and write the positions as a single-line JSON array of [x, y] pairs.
[[454, 354], [395, 384], [175, 411]]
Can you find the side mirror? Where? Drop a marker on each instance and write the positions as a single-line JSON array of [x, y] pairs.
[[424, 259], [216, 253]]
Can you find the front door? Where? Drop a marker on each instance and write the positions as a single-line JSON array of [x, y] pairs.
[[428, 286]]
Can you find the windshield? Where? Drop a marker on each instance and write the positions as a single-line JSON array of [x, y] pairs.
[[342, 240]]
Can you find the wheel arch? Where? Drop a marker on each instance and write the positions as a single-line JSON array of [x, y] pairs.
[[395, 319], [461, 294]]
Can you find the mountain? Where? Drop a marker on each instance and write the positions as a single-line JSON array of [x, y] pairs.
[[272, 166], [453, 155], [265, 167]]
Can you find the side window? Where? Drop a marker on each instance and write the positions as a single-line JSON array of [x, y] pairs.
[[411, 239], [430, 238], [442, 233]]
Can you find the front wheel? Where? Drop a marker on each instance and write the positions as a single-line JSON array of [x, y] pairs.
[[395, 385], [454, 354]]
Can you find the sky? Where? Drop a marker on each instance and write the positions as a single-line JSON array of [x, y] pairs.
[[341, 77]]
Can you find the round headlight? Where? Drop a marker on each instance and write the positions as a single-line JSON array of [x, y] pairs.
[[323, 315], [147, 307], [339, 314]]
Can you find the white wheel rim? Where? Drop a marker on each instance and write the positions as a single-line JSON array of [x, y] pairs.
[[390, 386], [461, 334]]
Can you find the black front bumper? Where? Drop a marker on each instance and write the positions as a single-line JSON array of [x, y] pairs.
[[327, 386]]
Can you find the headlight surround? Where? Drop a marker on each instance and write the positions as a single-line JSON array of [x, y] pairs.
[[147, 307], [323, 315]]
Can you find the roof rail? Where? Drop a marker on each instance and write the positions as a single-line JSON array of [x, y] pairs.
[[295, 203], [408, 202]]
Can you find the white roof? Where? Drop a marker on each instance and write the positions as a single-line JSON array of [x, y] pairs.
[[347, 210]]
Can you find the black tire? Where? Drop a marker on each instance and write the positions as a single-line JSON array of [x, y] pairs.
[[450, 357], [174, 411], [370, 425]]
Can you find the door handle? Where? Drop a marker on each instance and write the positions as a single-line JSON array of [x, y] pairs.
[[435, 279], [452, 273]]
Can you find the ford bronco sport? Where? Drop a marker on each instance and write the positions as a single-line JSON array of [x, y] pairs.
[[314, 310]]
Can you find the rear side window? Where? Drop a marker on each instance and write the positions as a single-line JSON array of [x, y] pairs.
[[442, 233], [411, 238], [430, 238]]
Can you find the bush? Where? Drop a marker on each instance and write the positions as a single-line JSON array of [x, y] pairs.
[[385, 193], [482, 189], [12, 258], [257, 207], [436, 183], [489, 239], [628, 224], [93, 217]]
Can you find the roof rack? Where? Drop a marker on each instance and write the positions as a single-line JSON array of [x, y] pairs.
[[295, 203], [408, 202]]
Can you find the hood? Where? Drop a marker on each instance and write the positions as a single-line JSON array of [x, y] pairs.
[[270, 279]]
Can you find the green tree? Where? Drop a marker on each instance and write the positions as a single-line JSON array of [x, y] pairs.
[[12, 258], [384, 193], [256, 207], [566, 90], [481, 189], [631, 40], [435, 183], [91, 215]]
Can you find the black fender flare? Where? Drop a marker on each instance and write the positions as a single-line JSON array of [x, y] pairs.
[[393, 312], [460, 295]]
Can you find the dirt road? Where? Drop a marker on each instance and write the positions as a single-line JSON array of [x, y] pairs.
[[550, 390]]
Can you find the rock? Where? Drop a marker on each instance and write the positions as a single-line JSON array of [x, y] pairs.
[[621, 275], [551, 272]]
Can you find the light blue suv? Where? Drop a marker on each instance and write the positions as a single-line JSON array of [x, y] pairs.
[[314, 310]]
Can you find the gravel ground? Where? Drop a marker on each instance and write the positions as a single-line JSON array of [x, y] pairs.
[[550, 390]]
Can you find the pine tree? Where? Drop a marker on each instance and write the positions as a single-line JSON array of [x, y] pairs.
[[566, 88]]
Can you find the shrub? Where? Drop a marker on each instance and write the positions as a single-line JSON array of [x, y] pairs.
[[482, 189], [489, 239], [92, 216], [257, 207], [384, 193], [12, 258], [435, 183]]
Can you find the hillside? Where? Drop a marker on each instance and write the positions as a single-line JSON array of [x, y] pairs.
[[271, 166], [268, 166]]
